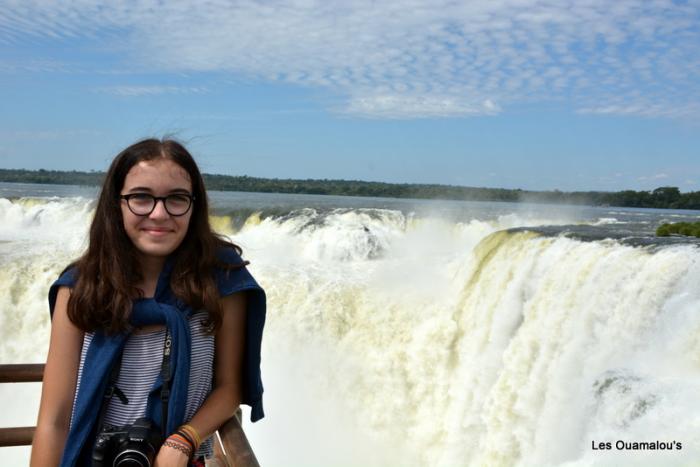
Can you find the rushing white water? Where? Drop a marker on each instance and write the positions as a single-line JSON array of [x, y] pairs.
[[400, 340]]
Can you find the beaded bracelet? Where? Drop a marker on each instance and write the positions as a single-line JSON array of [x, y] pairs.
[[186, 450]]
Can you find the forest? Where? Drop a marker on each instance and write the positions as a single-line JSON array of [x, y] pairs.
[[666, 197]]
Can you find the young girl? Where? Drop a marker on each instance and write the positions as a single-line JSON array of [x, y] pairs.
[[156, 329]]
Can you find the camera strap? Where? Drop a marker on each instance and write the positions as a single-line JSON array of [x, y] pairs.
[[166, 376], [165, 373]]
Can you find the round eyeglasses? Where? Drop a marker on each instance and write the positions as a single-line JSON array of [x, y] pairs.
[[143, 204]]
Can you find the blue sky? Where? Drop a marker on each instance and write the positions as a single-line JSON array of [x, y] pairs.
[[565, 94]]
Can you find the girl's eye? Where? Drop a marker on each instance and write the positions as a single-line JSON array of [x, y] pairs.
[[181, 200], [141, 198]]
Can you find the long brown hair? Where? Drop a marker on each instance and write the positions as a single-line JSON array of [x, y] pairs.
[[108, 271]]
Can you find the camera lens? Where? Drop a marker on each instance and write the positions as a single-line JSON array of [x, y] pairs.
[[131, 458]]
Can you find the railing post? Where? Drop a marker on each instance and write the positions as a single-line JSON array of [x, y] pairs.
[[238, 450]]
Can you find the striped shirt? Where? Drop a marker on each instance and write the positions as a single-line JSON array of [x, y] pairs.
[[141, 364]]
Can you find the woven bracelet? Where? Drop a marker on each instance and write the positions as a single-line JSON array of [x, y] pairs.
[[189, 429], [177, 436], [179, 446], [187, 437]]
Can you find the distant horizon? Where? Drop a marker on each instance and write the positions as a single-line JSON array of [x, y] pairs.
[[94, 171], [535, 95]]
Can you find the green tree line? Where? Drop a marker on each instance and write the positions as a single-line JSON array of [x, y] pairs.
[[662, 197], [689, 229]]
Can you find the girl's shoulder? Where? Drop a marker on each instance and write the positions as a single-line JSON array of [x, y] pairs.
[[229, 256], [67, 278], [231, 274]]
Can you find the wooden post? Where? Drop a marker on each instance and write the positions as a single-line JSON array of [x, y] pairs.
[[220, 459], [238, 450]]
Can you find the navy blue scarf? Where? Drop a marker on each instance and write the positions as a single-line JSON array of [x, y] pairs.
[[163, 308]]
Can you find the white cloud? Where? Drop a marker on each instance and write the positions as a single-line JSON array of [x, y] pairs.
[[134, 91], [398, 106], [406, 59], [658, 176]]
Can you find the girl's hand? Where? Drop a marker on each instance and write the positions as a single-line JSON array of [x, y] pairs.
[[170, 457]]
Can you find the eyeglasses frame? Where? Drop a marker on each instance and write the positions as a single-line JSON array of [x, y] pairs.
[[155, 203]]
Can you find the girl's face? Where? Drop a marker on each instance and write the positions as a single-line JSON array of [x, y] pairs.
[[159, 233]]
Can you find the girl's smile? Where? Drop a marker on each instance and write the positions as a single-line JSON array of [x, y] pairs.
[[157, 232]]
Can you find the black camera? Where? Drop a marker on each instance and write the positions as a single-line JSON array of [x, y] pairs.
[[134, 445]]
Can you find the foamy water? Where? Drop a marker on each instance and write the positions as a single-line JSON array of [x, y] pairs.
[[401, 337]]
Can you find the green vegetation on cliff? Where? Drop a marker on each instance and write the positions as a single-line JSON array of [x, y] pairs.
[[689, 229], [663, 197]]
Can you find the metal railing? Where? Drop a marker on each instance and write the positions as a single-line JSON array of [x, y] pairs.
[[231, 447]]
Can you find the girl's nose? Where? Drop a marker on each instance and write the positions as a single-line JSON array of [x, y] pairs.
[[159, 211]]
